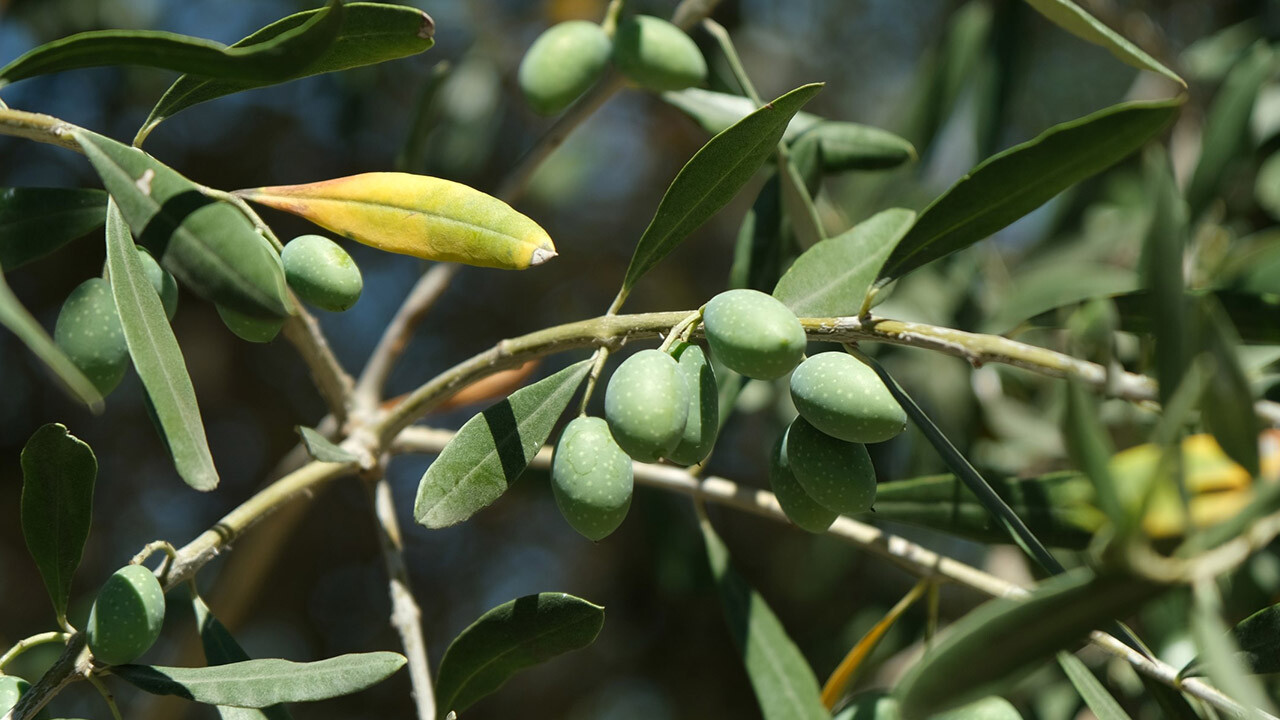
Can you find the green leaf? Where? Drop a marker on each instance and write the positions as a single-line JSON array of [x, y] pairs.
[[1091, 449], [1256, 316], [287, 54], [1258, 639], [210, 246], [1010, 184], [758, 252], [715, 112], [319, 447], [492, 449], [783, 681], [962, 666], [1226, 129], [370, 33], [513, 636], [1220, 656], [849, 146], [20, 322], [220, 648], [36, 221], [58, 472], [1163, 250], [948, 70], [1070, 17], [1266, 186], [712, 177], [832, 278], [263, 683], [1094, 693], [157, 357], [1225, 406]]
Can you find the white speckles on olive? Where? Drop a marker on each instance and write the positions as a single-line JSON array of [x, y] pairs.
[[647, 405], [591, 478], [88, 330], [801, 509], [657, 55], [321, 272], [844, 398], [126, 618], [703, 423], [837, 474], [166, 287], [753, 334], [258, 330], [562, 63]]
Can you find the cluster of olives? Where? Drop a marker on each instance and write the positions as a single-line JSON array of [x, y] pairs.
[[88, 327], [569, 57], [666, 405]]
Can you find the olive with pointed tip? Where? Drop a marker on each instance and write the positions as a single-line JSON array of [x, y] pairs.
[[647, 405], [126, 617], [321, 272], [753, 334], [591, 478], [837, 474], [799, 507], [844, 398]]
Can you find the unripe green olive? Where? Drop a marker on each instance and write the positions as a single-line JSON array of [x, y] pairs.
[[988, 708], [753, 334], [844, 398], [591, 478], [703, 423], [125, 619], [801, 509], [11, 688], [562, 63], [88, 330], [166, 287], [647, 405], [872, 705], [657, 55], [837, 474], [258, 330], [321, 272]]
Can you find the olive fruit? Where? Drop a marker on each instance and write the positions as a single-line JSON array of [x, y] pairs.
[[844, 398], [11, 688], [801, 509], [166, 287], [837, 474], [657, 55], [753, 334], [88, 330], [321, 272], [872, 705], [591, 478], [988, 708], [258, 330], [703, 424], [562, 63], [647, 405], [126, 617]]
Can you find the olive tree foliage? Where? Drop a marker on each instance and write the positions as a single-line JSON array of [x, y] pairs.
[[1170, 350]]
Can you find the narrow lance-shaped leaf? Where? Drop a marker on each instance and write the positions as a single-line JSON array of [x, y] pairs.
[[20, 322], [370, 33], [279, 58], [832, 278], [36, 221], [1219, 655], [1091, 449], [783, 681], [320, 448], [1227, 399], [513, 636], [1258, 639], [1010, 184], [716, 111], [220, 648], [210, 246], [492, 449], [712, 177], [1070, 17], [157, 357], [1162, 264], [962, 666], [263, 683], [1095, 695], [58, 473]]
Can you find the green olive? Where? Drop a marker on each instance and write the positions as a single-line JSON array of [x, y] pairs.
[[591, 478], [258, 330], [657, 55], [799, 507], [703, 424], [88, 330], [126, 617], [563, 63], [844, 398], [647, 405], [321, 272], [837, 474], [753, 334], [166, 287]]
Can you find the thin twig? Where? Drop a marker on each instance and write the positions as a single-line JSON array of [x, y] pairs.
[[334, 384], [26, 644]]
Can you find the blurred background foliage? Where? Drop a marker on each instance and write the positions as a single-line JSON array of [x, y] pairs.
[[962, 80]]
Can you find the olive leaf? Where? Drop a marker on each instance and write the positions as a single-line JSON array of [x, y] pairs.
[[783, 682], [220, 648], [849, 146], [370, 33], [19, 321], [263, 683], [58, 474], [712, 177], [1092, 691], [1227, 394], [715, 111], [513, 636], [1090, 448], [1010, 184], [1221, 658], [1162, 265], [273, 60], [157, 357], [320, 448], [492, 449], [1070, 17], [36, 221], [1258, 639]]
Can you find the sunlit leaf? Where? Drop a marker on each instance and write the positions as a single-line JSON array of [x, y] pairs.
[[220, 648]]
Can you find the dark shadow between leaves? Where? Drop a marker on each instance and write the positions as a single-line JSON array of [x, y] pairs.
[[505, 432], [158, 233], [151, 680]]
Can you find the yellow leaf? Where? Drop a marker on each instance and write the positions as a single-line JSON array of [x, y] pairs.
[[416, 215]]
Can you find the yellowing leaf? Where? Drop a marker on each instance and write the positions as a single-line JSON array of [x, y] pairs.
[[416, 215]]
